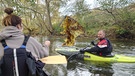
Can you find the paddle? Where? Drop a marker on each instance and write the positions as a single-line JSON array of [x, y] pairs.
[[69, 58], [73, 55], [57, 59]]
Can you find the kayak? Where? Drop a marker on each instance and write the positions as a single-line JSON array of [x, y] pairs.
[[74, 52]]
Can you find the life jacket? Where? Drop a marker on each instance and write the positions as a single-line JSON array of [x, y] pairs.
[[13, 62], [107, 50]]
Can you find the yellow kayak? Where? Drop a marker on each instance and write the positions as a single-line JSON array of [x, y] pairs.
[[71, 51], [115, 58]]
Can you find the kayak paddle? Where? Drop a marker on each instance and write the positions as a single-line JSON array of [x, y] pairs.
[[57, 59], [74, 55]]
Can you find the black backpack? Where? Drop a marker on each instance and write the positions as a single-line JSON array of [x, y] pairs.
[[19, 62]]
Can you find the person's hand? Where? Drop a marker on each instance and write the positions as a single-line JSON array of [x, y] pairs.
[[92, 42], [47, 43], [82, 51]]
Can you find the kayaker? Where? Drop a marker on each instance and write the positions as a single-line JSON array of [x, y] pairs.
[[13, 36], [102, 48]]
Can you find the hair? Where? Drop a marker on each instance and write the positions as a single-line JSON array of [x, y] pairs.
[[10, 19], [103, 31]]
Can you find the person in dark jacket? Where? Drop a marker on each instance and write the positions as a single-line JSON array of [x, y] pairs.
[[102, 48]]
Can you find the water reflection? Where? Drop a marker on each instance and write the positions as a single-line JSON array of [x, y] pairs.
[[124, 69], [101, 69], [76, 68], [87, 68], [56, 69]]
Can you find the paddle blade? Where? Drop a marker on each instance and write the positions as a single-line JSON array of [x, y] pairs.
[[57, 59]]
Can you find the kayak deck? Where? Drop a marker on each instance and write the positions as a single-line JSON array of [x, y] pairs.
[[115, 58]]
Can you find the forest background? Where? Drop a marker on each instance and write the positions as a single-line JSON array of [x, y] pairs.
[[43, 17]]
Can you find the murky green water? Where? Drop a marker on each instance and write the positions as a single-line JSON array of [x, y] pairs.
[[87, 68]]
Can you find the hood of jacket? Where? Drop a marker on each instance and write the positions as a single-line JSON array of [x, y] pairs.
[[10, 31]]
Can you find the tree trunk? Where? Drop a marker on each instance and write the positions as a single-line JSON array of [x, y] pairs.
[[49, 18]]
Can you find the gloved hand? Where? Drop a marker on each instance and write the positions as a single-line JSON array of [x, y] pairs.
[[82, 51], [92, 42]]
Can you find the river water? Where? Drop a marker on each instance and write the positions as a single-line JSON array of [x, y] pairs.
[[87, 68]]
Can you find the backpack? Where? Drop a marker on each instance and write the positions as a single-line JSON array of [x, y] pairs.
[[16, 62]]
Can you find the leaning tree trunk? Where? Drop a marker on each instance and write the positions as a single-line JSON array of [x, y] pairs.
[[49, 18]]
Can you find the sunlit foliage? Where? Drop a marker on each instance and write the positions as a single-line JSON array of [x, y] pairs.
[[72, 29]]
